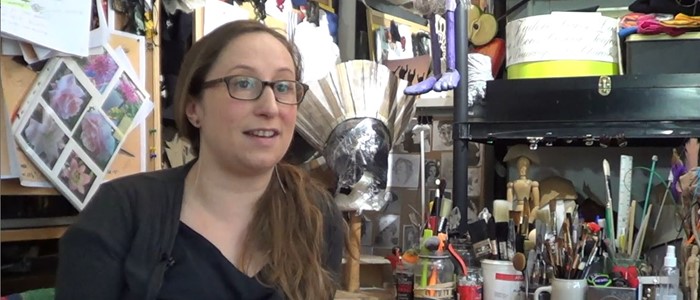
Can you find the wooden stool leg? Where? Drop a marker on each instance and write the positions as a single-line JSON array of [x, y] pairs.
[[352, 262]]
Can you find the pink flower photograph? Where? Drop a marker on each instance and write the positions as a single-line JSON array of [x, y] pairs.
[[66, 96], [44, 136], [100, 68], [97, 137], [123, 102], [76, 175]]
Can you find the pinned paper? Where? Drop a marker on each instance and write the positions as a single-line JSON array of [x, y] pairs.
[[57, 24], [217, 13], [74, 120]]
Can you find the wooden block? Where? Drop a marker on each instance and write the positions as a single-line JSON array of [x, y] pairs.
[[32, 234], [11, 187]]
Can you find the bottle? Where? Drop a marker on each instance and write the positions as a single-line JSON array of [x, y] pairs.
[[470, 285], [669, 291], [403, 276]]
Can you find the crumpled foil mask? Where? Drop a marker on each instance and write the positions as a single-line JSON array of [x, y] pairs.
[[358, 152]]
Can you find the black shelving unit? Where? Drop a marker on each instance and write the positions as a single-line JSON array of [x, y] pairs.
[[460, 152], [658, 109], [637, 110]]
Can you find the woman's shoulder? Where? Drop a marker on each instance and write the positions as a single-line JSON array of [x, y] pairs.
[[143, 189]]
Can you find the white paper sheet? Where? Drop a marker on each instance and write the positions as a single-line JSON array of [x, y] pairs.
[[62, 25], [217, 13]]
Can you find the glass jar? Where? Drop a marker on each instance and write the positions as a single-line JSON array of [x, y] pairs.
[[434, 277]]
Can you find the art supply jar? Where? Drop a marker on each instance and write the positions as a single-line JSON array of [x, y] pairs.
[[434, 277]]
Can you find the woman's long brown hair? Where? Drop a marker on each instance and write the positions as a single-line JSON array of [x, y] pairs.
[[288, 223]]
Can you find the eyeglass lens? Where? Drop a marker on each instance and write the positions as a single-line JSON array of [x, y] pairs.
[[250, 88]]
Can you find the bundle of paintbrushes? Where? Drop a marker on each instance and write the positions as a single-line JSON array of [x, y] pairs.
[[569, 257]]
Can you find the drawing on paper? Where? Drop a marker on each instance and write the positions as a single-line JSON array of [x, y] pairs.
[[404, 170], [388, 235], [474, 158], [442, 135], [96, 137], [44, 136], [77, 176], [66, 96], [100, 68], [410, 237], [474, 186], [446, 167], [123, 103], [432, 172]]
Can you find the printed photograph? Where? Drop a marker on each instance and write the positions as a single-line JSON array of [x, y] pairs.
[[411, 239], [446, 167], [474, 158], [474, 186], [410, 140], [77, 176], [96, 137], [404, 170], [388, 235], [100, 68], [66, 96], [442, 135], [432, 172], [123, 103], [44, 136]]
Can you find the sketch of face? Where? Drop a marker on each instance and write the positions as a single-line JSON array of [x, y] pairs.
[[402, 170], [446, 134], [432, 170]]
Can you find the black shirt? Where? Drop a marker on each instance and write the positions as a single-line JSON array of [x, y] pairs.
[[123, 243], [201, 271]]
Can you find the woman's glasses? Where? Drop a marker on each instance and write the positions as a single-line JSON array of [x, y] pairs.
[[250, 88]]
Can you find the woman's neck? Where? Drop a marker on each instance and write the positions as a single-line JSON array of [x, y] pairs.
[[223, 191]]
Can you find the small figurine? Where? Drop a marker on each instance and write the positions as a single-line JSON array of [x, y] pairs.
[[523, 191], [692, 266], [438, 81]]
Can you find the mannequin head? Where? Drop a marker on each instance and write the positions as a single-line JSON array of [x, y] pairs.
[[523, 165]]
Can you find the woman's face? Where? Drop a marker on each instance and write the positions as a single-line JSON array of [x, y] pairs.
[[252, 135], [432, 171]]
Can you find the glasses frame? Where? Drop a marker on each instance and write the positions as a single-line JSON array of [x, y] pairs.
[[227, 79]]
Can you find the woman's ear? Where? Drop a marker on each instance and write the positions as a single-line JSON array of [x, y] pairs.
[[194, 113]]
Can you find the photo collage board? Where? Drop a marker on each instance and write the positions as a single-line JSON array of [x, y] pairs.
[[75, 117]]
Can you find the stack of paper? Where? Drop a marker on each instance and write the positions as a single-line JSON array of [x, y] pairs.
[[79, 121], [41, 29]]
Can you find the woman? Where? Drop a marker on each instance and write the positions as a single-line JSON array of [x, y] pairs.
[[236, 223]]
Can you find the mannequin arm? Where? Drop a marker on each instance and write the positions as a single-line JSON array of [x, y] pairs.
[[692, 153], [509, 192], [535, 201]]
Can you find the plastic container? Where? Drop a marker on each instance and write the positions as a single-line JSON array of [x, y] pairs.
[[669, 291]]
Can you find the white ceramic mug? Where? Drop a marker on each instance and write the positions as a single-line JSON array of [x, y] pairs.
[[564, 289]]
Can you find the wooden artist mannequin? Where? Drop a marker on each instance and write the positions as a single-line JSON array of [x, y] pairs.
[[691, 273], [524, 191]]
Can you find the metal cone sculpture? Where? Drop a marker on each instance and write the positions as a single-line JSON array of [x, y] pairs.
[[353, 117]]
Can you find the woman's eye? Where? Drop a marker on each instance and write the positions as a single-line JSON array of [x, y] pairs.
[[283, 87], [245, 83]]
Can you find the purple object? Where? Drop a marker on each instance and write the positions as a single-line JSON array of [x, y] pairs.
[[438, 81]]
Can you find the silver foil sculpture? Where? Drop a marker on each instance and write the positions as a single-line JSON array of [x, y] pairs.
[[353, 117]]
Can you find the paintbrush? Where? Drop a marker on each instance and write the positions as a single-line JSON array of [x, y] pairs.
[[654, 159], [609, 225]]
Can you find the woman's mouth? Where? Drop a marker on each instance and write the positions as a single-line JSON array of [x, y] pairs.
[[262, 133]]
